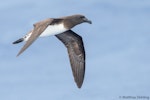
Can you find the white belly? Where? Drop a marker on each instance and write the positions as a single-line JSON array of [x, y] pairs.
[[53, 30], [50, 30]]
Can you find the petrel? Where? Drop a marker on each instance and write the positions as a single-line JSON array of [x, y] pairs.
[[61, 28]]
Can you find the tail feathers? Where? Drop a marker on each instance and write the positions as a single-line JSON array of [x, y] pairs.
[[18, 41]]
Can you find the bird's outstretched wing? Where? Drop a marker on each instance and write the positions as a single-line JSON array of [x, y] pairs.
[[38, 29], [76, 52]]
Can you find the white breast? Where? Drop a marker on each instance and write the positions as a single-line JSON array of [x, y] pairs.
[[53, 30]]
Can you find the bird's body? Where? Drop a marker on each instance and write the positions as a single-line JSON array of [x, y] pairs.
[[50, 30], [61, 28], [53, 30]]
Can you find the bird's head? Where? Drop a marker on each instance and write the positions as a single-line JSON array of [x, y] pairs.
[[78, 19], [71, 21]]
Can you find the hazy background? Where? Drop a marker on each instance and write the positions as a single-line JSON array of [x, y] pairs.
[[117, 51]]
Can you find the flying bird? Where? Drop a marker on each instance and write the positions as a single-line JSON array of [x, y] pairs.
[[61, 28]]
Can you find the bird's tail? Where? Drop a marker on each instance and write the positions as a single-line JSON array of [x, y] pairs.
[[25, 38], [18, 41]]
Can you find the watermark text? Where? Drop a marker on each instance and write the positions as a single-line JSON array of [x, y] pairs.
[[135, 97]]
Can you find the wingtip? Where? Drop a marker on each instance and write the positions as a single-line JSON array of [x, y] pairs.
[[79, 86], [17, 55]]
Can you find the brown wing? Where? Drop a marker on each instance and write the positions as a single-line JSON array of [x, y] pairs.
[[76, 52], [38, 29]]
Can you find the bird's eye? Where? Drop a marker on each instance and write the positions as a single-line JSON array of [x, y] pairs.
[[82, 17]]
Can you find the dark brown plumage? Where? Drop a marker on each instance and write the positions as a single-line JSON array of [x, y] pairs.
[[73, 42], [75, 47]]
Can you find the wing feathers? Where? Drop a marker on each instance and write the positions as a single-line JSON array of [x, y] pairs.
[[38, 29], [76, 52]]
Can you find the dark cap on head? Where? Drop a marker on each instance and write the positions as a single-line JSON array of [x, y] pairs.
[[71, 21]]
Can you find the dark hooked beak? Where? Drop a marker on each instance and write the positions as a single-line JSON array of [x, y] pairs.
[[88, 21]]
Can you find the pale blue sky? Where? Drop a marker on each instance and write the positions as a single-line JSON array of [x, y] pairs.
[[117, 51]]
